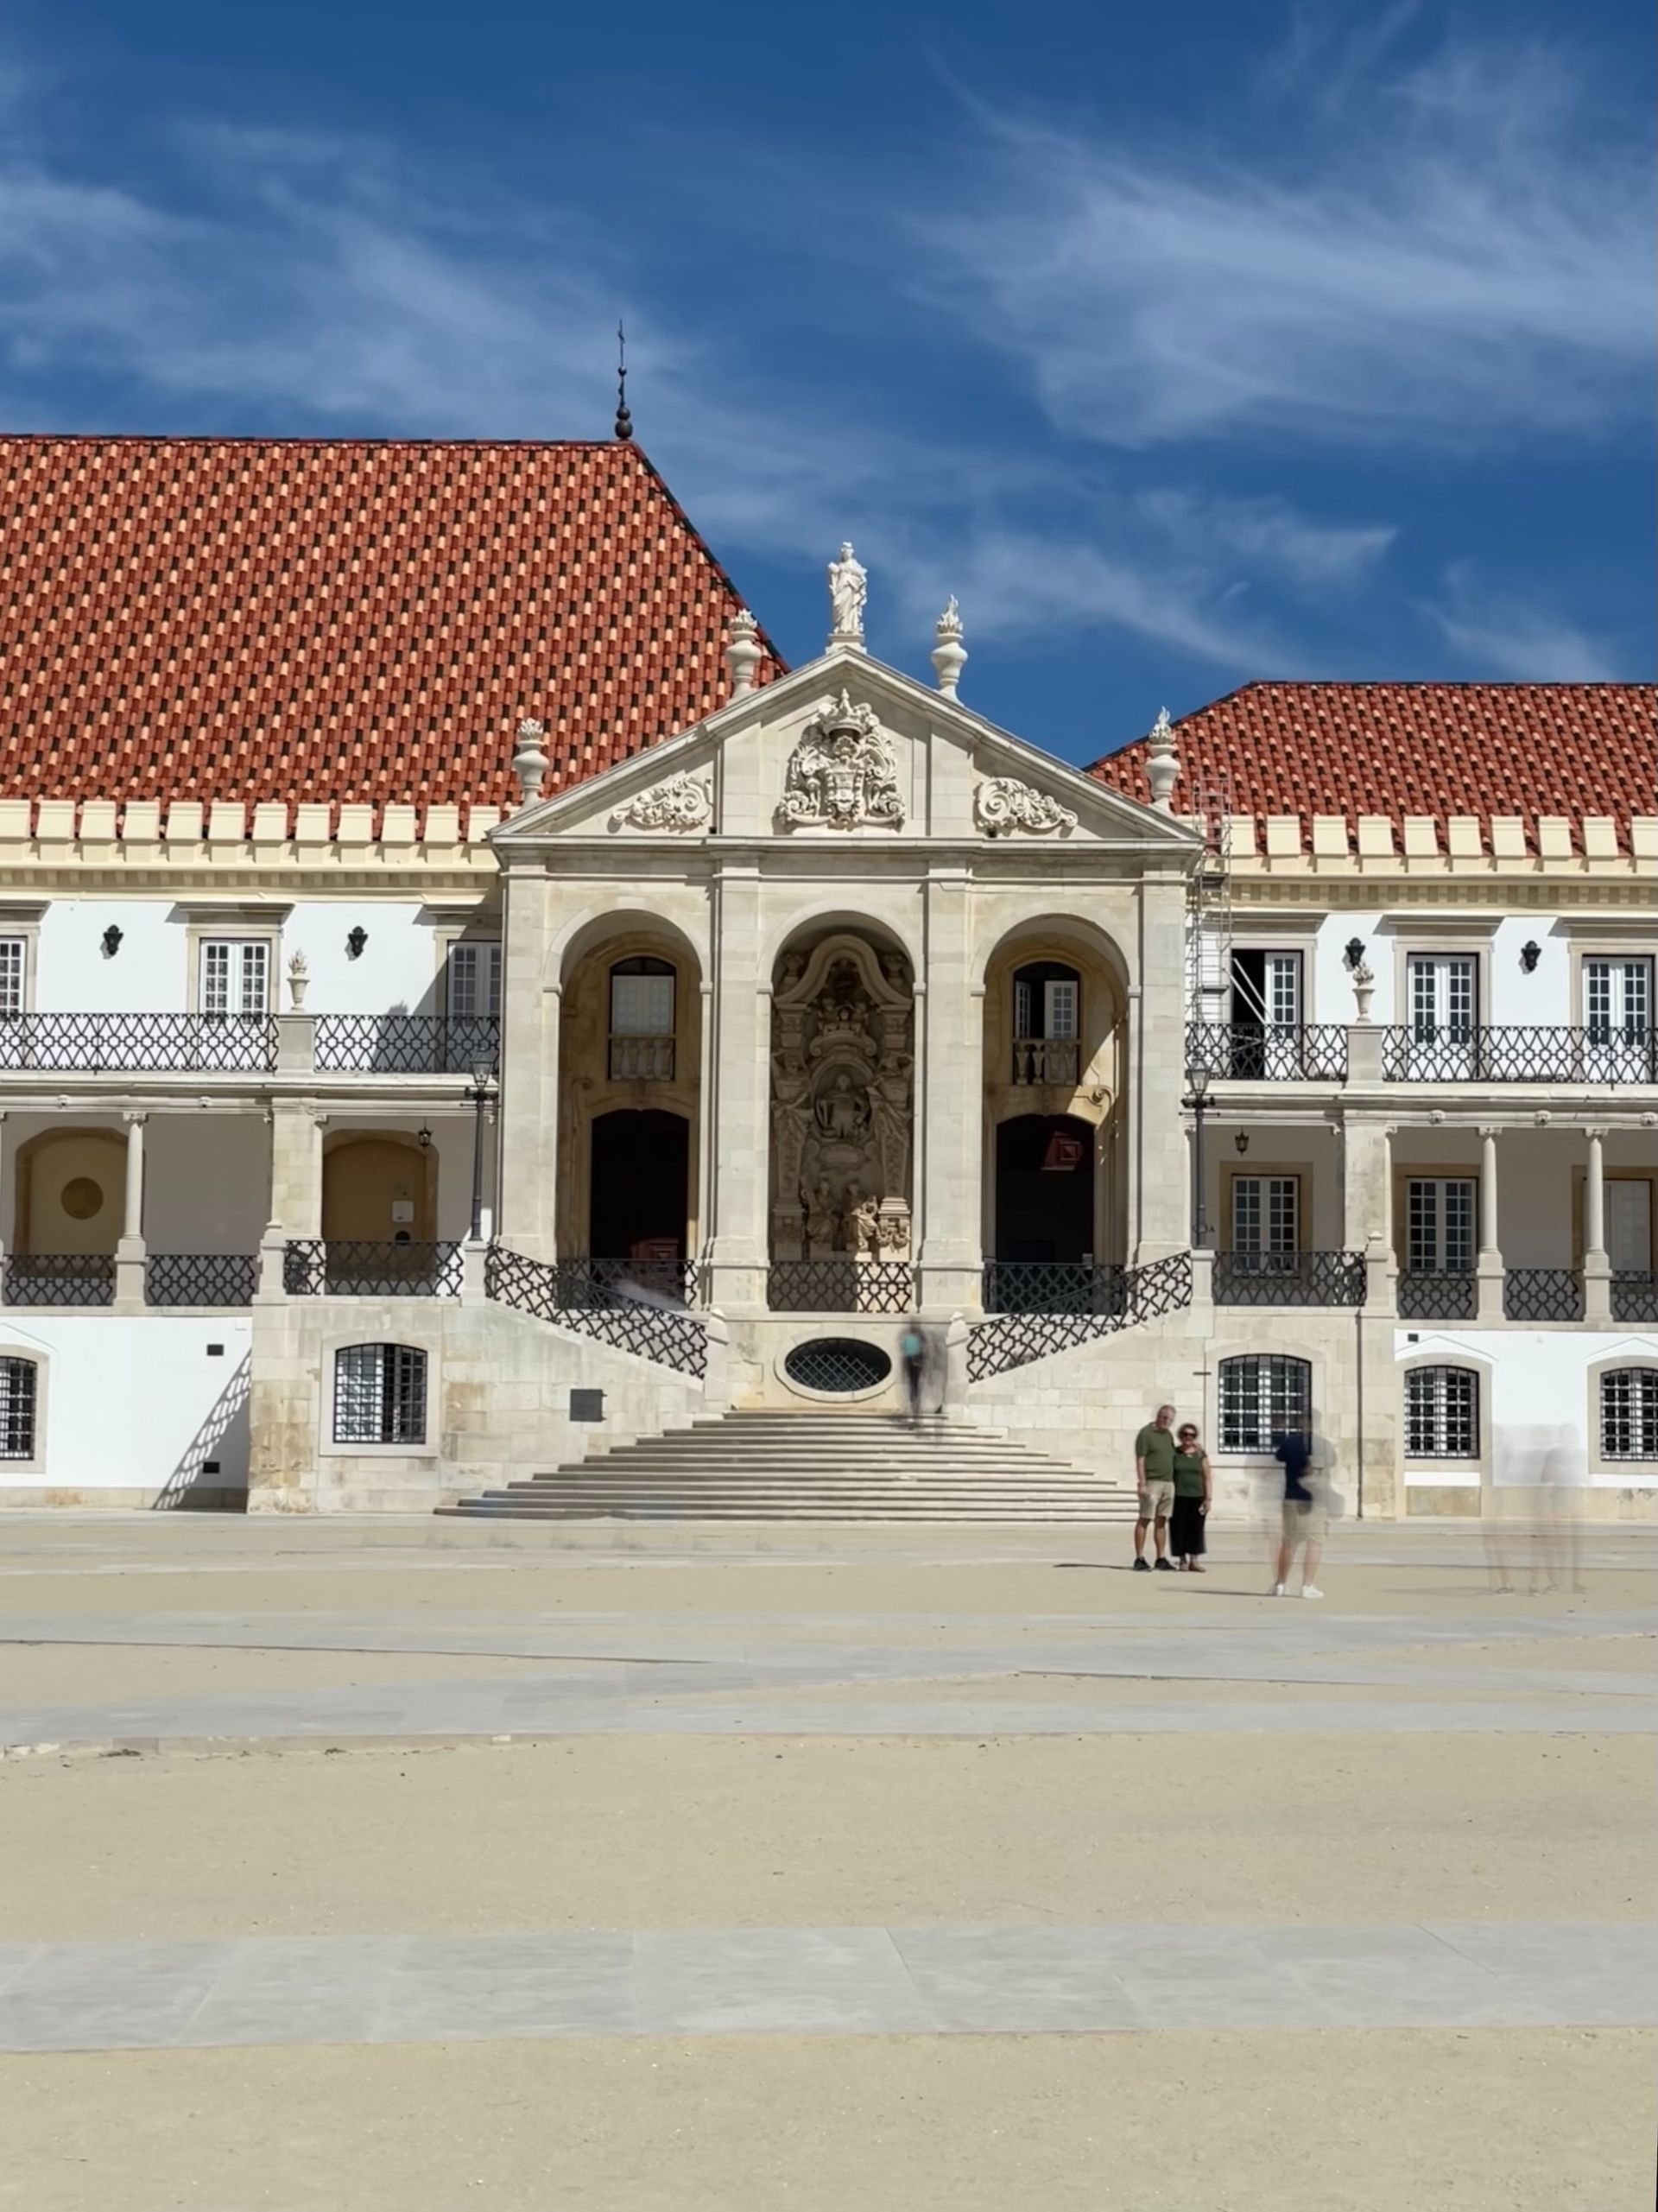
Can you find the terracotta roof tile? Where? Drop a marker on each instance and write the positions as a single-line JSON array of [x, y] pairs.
[[1398, 749], [342, 620]]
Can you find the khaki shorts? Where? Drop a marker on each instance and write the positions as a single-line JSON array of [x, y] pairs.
[[1157, 1497], [1306, 1524]]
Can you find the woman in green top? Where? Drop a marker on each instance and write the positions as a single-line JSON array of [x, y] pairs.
[[1192, 1489]]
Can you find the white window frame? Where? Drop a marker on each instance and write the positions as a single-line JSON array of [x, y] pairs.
[[1440, 1237], [1270, 1369], [1442, 1430], [467, 961], [1277, 1224], [15, 966], [34, 1460], [1640, 1413], [240, 950]]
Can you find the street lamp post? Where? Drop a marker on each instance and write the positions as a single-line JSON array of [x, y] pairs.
[[1197, 1098], [480, 1094]]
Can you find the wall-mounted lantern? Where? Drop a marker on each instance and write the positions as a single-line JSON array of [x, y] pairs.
[[1530, 953], [1242, 1141], [1354, 952], [112, 941], [355, 940], [423, 1137]]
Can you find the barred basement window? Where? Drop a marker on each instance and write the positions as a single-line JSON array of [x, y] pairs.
[[1441, 1413], [1629, 1414], [379, 1394], [1261, 1395], [18, 1401]]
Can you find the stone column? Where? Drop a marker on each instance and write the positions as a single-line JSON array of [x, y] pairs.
[[1596, 1262], [737, 1096], [1488, 1264], [296, 1167], [1366, 1195], [129, 1250], [526, 1213], [1159, 1149], [953, 1102]]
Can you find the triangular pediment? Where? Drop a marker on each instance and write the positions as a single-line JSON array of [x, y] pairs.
[[847, 749]]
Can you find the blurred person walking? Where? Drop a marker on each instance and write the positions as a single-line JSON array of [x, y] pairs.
[[1193, 1486], [912, 1353], [1306, 1510], [1154, 1482]]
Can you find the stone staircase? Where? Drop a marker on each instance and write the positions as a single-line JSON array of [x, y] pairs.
[[814, 1466]]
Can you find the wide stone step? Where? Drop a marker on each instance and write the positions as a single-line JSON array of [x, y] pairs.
[[614, 1510]]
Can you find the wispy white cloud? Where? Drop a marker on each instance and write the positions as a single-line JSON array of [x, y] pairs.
[[1498, 633], [1455, 252]]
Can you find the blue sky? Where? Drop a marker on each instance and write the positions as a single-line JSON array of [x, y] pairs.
[[1187, 345]]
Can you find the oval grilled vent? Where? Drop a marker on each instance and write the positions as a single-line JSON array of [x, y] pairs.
[[838, 1363]]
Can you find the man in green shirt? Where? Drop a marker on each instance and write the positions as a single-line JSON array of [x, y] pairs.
[[1153, 1479]]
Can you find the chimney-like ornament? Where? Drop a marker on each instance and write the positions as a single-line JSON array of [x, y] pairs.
[[949, 654], [299, 981], [742, 653], [529, 763], [1163, 764]]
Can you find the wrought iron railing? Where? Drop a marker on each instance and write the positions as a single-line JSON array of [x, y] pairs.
[[1162, 1286], [1053, 1286], [405, 1044], [139, 1044], [539, 1287], [840, 1286], [1517, 1053], [58, 1278], [1289, 1278], [200, 1278], [618, 1281], [1542, 1293], [641, 1060], [1046, 1060], [1436, 1295], [314, 1267], [1634, 1295], [1254, 1052]]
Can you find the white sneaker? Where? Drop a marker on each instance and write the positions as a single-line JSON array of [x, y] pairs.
[[1281, 1589], [1310, 1590]]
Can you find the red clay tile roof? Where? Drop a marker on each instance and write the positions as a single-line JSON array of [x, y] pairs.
[[329, 619], [1398, 749]]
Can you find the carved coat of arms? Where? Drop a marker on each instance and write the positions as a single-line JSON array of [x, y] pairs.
[[842, 774]]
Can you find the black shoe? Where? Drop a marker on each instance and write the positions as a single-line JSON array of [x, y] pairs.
[[1164, 1568], [1141, 1568]]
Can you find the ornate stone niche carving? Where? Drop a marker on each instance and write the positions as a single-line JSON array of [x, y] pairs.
[[842, 1104], [842, 774], [680, 803], [1000, 805]]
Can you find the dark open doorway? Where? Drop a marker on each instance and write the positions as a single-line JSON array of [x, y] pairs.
[[640, 1186], [1044, 1187]]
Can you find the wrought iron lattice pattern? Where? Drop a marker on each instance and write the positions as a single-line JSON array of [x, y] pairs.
[[405, 1044], [1255, 1052], [1441, 1413], [1289, 1278], [63, 1279], [1054, 1286], [314, 1269], [1517, 1053], [1629, 1414], [1428, 1295], [619, 1281], [840, 1286], [838, 1363], [651, 1332], [1635, 1297], [1542, 1293], [19, 1380], [1014, 1339], [200, 1278], [380, 1394], [137, 1044]]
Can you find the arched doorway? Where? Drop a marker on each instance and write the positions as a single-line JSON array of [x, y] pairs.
[[636, 1207], [71, 1193], [379, 1189], [1044, 1187]]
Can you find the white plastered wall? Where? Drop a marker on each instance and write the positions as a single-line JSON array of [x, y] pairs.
[[1535, 1401]]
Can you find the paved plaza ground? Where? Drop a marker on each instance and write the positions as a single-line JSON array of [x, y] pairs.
[[359, 1866]]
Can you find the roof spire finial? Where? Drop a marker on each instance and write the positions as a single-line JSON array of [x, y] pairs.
[[1162, 764], [624, 420]]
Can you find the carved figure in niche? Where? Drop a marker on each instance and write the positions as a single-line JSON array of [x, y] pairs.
[[862, 1223], [788, 976], [841, 1111], [889, 1108], [822, 1218]]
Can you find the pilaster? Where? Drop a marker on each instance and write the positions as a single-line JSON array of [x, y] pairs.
[[532, 1007], [952, 1108], [1161, 1164], [738, 1058], [296, 1128]]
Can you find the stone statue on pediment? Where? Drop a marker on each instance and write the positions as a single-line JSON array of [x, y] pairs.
[[849, 593]]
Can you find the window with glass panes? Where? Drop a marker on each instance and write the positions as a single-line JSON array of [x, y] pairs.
[[14, 974], [235, 976], [380, 1394], [474, 980], [642, 999], [18, 1392], [1440, 1224], [1441, 1413], [1263, 1396], [1266, 1213], [1047, 1001], [1618, 998], [1629, 1414], [1442, 989]]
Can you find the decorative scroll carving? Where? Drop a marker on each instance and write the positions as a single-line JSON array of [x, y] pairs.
[[1000, 805], [681, 803], [842, 774]]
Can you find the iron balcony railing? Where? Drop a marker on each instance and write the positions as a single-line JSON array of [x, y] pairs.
[[138, 1044], [200, 1278], [1517, 1053], [1046, 1060], [405, 1044], [58, 1278], [651, 1330], [583, 1282], [840, 1286], [1014, 1339], [1542, 1293], [1289, 1278], [314, 1267], [1438, 1294], [1634, 1295], [1255, 1052], [1054, 1286], [641, 1060]]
